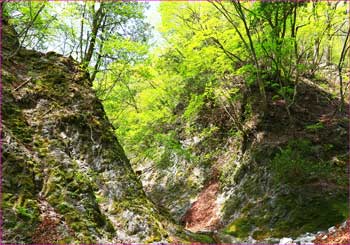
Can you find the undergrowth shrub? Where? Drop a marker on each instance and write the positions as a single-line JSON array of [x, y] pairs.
[[298, 162]]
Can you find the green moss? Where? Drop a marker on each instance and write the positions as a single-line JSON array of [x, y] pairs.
[[109, 227], [309, 214], [14, 120], [55, 76], [303, 209], [21, 216], [82, 226], [202, 238], [262, 234], [64, 207], [153, 238], [239, 227], [190, 237], [230, 207], [247, 207], [7, 77]]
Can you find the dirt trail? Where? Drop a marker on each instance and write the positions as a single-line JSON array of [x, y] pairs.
[[203, 214]]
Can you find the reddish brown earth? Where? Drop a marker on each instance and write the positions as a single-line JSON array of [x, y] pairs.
[[52, 228], [203, 214], [340, 236]]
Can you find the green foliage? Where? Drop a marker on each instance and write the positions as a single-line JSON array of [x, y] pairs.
[[296, 163], [289, 165], [169, 149], [33, 22], [147, 98], [25, 213], [94, 33], [315, 127], [194, 107], [286, 91]]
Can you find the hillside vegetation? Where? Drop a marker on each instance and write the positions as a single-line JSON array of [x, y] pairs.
[[233, 117]]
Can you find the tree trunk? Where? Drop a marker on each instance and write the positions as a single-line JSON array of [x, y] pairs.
[[96, 24]]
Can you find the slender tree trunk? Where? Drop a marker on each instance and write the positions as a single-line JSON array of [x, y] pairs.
[[82, 33], [340, 68], [96, 24], [99, 56]]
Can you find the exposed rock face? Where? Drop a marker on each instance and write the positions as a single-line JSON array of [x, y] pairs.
[[174, 188], [65, 177]]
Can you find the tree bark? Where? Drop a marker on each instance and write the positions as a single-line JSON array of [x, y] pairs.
[[96, 24], [340, 68]]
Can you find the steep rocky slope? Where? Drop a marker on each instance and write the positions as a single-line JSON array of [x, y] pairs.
[[293, 177], [286, 177], [65, 177]]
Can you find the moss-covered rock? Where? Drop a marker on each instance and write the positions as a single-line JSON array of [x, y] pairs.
[[286, 190], [66, 179]]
